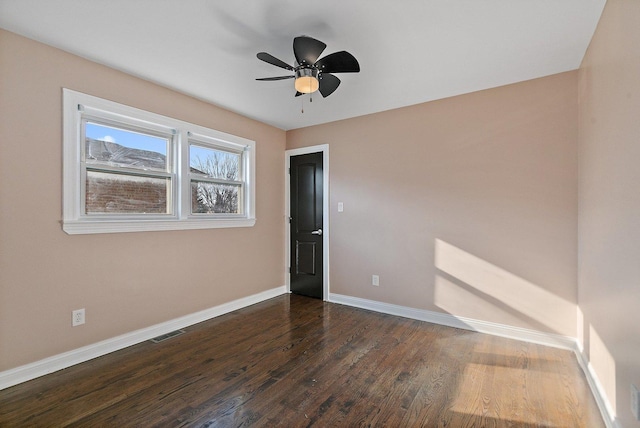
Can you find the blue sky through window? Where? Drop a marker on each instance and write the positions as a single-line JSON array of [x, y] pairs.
[[151, 143], [129, 139], [224, 160], [198, 152]]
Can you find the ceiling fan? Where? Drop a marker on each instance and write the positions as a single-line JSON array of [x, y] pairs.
[[312, 74]]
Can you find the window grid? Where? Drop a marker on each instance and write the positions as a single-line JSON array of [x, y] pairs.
[[207, 185], [132, 174], [235, 185]]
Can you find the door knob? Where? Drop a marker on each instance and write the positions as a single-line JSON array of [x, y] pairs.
[[317, 232]]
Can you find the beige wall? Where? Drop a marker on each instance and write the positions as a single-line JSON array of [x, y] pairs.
[[126, 281], [466, 205], [609, 220]]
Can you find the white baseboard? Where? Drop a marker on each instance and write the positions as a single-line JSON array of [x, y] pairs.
[[533, 336], [52, 364], [61, 361], [608, 414]]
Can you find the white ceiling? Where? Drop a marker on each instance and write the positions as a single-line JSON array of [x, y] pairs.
[[410, 51]]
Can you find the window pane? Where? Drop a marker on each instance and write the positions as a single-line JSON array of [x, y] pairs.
[[110, 146], [209, 198], [108, 193], [214, 163]]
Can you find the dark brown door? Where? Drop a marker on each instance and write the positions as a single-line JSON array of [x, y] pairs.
[[306, 224]]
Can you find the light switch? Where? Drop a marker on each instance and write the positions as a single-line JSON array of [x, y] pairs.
[[340, 207]]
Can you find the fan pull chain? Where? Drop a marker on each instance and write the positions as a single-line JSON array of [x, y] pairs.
[[302, 104]]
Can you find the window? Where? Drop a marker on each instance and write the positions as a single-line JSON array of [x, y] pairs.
[[128, 170], [215, 180]]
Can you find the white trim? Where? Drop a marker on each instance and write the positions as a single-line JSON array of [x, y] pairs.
[[517, 333], [495, 329], [85, 227], [324, 148], [52, 364], [606, 410], [58, 362], [77, 105]]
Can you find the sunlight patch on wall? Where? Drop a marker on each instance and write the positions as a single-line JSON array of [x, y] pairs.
[[527, 301], [461, 302], [604, 366], [580, 328]]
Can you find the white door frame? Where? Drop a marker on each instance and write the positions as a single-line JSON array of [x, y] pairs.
[[324, 148]]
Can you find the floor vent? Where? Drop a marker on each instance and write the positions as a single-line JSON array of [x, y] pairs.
[[167, 336]]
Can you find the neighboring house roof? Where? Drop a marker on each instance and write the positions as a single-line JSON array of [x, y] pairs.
[[119, 155]]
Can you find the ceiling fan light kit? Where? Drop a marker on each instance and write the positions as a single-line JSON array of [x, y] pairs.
[[307, 80], [311, 74]]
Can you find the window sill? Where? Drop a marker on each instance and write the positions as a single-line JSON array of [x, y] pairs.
[[78, 227]]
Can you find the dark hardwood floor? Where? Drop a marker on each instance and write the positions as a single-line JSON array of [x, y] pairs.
[[296, 361]]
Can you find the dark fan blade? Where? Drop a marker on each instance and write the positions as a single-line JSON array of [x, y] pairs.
[[338, 62], [298, 93], [274, 61], [276, 78], [307, 49], [328, 84]]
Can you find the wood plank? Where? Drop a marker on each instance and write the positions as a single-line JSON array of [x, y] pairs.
[[296, 361]]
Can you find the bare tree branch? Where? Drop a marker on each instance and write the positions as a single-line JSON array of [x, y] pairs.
[[216, 198]]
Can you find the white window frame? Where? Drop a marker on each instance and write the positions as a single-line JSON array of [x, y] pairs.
[[78, 107], [90, 114], [207, 142]]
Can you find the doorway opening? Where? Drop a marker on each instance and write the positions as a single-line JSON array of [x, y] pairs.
[[307, 221]]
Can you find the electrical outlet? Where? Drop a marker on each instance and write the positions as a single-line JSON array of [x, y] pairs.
[[635, 402], [77, 317], [375, 280]]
